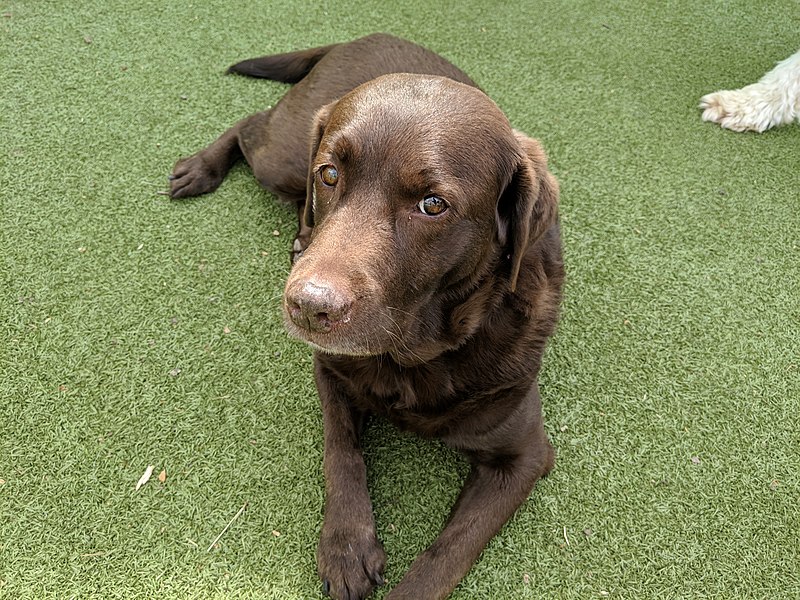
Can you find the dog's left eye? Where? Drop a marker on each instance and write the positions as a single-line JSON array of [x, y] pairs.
[[432, 206], [329, 175]]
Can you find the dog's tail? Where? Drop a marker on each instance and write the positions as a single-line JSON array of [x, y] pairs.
[[287, 68]]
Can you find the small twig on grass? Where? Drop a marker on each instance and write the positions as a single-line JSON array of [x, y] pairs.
[[221, 533]]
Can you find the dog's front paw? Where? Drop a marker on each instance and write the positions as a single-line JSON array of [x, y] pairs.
[[193, 176], [297, 249], [349, 563], [747, 109], [301, 242]]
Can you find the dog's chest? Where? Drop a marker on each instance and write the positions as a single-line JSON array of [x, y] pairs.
[[422, 399]]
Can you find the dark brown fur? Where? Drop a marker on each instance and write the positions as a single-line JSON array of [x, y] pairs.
[[437, 323]]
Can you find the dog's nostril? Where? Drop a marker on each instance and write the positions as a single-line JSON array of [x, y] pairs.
[[323, 320], [294, 309]]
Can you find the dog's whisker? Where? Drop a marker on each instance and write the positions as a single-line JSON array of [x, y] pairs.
[[404, 349], [405, 312], [391, 339], [399, 335]]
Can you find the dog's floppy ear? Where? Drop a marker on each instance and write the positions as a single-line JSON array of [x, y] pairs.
[[528, 206], [317, 131]]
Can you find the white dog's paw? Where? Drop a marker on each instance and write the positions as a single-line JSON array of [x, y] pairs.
[[774, 100], [747, 109]]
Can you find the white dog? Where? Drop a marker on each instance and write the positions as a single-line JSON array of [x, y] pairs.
[[775, 100]]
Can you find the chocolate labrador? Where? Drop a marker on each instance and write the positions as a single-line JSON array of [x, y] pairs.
[[427, 277]]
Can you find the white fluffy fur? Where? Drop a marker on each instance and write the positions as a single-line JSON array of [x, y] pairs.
[[774, 100]]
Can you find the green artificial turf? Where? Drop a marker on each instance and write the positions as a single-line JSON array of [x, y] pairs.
[[136, 331]]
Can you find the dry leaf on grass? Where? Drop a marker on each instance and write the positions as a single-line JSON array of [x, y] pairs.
[[146, 477], [162, 477]]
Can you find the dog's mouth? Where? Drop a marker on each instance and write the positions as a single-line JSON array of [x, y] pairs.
[[340, 349], [346, 336], [382, 334], [363, 330]]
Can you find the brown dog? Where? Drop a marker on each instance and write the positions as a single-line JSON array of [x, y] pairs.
[[427, 277]]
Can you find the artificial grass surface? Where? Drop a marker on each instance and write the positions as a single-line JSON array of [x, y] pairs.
[[139, 331]]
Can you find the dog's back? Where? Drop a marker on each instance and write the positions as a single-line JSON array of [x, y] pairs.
[[278, 147], [387, 53]]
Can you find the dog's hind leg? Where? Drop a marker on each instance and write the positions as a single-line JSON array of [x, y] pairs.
[[202, 172], [250, 138]]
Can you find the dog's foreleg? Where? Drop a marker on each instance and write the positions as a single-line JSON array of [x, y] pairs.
[[498, 484], [350, 559]]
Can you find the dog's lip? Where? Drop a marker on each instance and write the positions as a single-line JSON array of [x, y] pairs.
[[337, 346], [336, 349], [331, 342]]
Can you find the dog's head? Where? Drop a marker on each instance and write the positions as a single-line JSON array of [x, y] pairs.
[[420, 194]]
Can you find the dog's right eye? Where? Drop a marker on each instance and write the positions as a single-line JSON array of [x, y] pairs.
[[329, 175], [432, 206]]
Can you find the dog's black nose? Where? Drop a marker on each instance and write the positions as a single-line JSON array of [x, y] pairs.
[[317, 305]]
